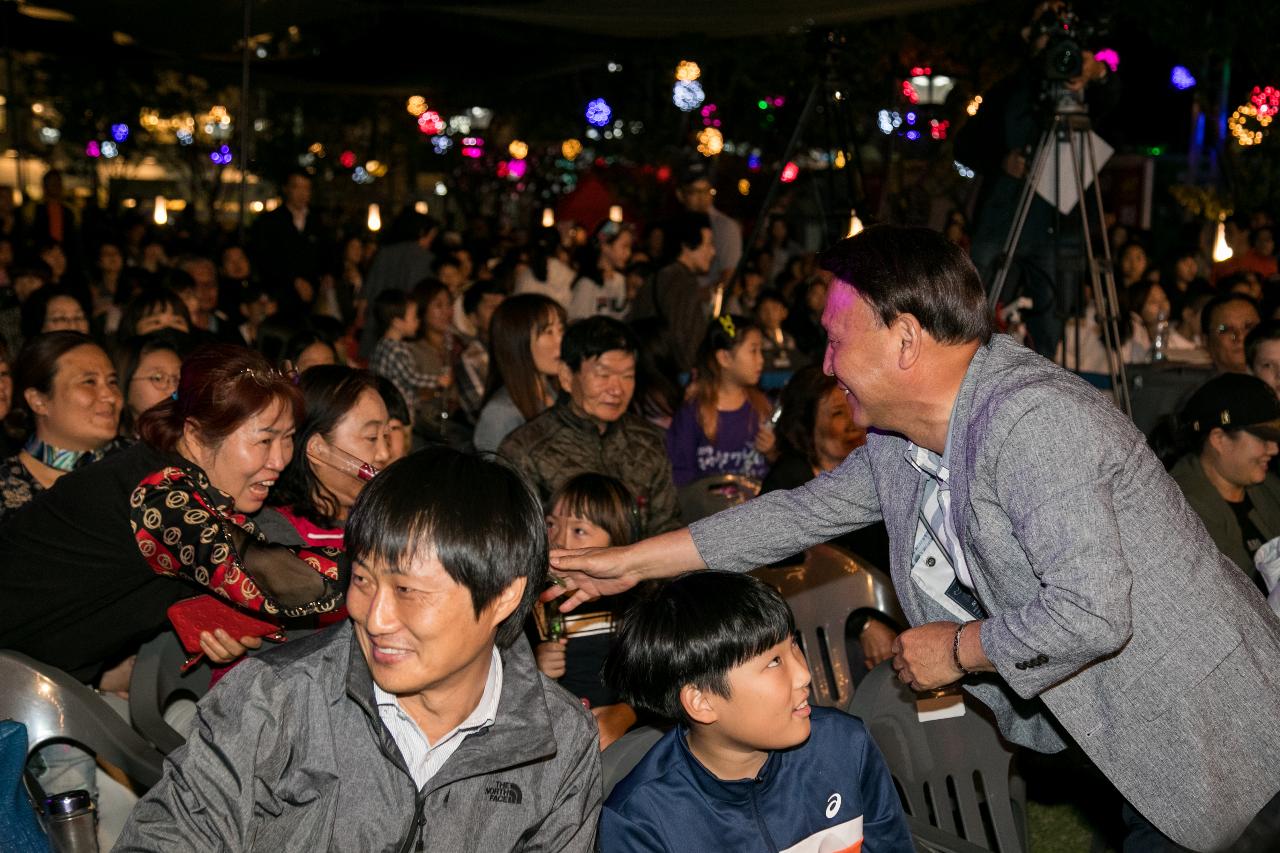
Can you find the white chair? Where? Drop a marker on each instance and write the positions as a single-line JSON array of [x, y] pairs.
[[824, 591], [709, 495], [55, 707]]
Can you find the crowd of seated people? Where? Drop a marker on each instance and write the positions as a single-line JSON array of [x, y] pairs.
[[209, 426]]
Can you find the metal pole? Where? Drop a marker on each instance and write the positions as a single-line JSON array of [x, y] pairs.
[[246, 120]]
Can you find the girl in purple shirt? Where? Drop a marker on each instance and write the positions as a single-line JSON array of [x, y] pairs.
[[723, 428]]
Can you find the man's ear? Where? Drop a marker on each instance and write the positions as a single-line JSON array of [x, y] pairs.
[[698, 705], [566, 378], [1218, 440], [909, 337], [36, 401], [506, 602]]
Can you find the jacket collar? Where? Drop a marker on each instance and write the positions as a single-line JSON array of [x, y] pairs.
[[521, 732], [736, 791], [579, 423]]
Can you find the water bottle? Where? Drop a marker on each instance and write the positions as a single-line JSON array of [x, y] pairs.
[[71, 822], [1160, 340]]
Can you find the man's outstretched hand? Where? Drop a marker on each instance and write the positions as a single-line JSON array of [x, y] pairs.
[[585, 574]]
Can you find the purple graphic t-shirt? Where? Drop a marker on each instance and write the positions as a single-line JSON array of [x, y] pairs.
[[693, 456]]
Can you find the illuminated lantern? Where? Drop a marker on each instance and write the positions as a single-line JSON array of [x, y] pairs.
[[1180, 78], [710, 142], [431, 123], [570, 148], [160, 216], [416, 105], [518, 149], [615, 213], [790, 172], [119, 132], [548, 218], [687, 95], [347, 159], [1108, 56], [516, 169], [375, 218], [599, 113], [688, 71], [1221, 248], [744, 186]]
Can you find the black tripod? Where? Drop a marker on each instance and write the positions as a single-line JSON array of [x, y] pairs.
[[1071, 127], [830, 93]]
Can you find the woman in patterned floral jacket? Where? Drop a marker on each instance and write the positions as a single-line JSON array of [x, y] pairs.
[[89, 568]]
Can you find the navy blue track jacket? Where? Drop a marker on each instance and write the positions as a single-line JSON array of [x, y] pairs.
[[832, 794]]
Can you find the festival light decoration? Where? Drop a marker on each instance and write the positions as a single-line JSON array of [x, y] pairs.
[[441, 189], [473, 147], [708, 114], [1237, 124], [421, 207], [790, 172], [431, 123], [855, 224], [316, 149], [516, 169], [160, 215], [687, 95], [518, 149], [710, 142], [744, 186], [347, 159], [571, 148], [688, 71], [376, 168], [548, 218], [1109, 57], [938, 128], [909, 92], [615, 213], [888, 121], [598, 112], [441, 144], [374, 220], [50, 135], [185, 137], [1180, 78], [361, 175], [120, 132], [416, 105], [972, 107], [109, 149], [963, 170], [1266, 100], [753, 161], [1221, 248], [221, 155]]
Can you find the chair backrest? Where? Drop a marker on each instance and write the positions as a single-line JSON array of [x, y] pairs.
[[156, 681], [621, 756], [709, 495], [824, 591], [955, 774], [54, 706]]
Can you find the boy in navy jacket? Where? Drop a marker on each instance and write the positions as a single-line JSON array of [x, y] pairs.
[[751, 767]]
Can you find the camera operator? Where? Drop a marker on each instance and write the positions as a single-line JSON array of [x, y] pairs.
[[999, 143]]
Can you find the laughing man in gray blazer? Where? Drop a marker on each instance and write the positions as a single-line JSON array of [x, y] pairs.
[[1038, 547]]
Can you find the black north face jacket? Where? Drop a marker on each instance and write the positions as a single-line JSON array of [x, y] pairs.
[[289, 753]]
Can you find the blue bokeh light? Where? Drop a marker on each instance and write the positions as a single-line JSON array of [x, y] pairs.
[[599, 112], [1181, 78]]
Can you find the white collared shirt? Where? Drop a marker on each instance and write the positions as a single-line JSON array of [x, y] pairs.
[[423, 759]]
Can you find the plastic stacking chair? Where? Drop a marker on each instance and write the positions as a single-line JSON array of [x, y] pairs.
[[824, 591], [156, 681], [930, 839], [621, 756], [954, 774], [55, 707], [711, 494]]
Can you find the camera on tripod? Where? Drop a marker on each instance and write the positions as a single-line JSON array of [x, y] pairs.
[[1064, 34]]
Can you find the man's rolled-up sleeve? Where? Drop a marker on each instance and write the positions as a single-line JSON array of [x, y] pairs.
[[778, 524], [1055, 480]]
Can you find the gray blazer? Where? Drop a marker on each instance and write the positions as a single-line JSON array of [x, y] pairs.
[[1108, 602]]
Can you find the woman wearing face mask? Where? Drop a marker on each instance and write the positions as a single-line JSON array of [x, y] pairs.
[[121, 540], [67, 391], [345, 426]]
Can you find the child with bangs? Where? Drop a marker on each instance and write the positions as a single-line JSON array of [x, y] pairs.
[[723, 427], [750, 764], [588, 511]]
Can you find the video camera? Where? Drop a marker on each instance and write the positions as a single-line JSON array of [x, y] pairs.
[[1062, 57]]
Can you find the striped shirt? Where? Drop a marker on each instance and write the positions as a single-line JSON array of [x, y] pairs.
[[938, 565], [422, 758]]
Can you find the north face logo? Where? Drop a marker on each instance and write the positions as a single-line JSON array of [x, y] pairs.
[[503, 792]]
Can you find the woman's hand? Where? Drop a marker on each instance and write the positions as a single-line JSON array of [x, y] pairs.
[[220, 648], [550, 657], [876, 640], [767, 441], [614, 721]]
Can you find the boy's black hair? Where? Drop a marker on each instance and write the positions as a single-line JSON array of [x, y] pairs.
[[593, 337], [474, 514], [387, 306], [693, 630]]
